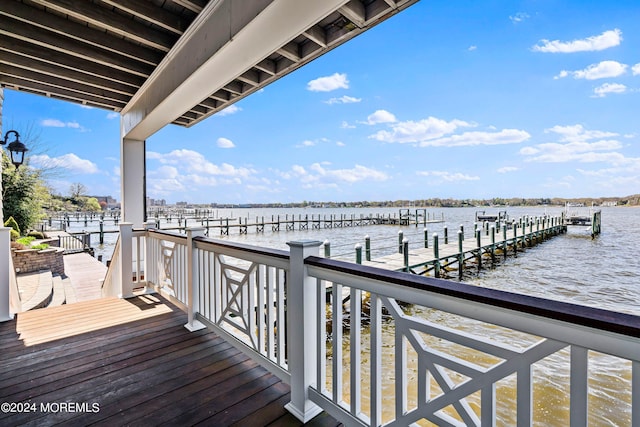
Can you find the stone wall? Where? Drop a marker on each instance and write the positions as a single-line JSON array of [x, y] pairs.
[[29, 260]]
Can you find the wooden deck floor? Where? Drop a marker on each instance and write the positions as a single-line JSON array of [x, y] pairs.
[[131, 362]]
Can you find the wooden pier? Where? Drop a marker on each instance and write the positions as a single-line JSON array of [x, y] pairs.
[[443, 255], [244, 225]]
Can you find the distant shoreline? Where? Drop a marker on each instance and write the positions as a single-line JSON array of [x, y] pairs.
[[496, 202]]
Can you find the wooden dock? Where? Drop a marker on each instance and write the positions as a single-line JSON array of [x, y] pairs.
[[259, 224], [132, 362], [444, 255]]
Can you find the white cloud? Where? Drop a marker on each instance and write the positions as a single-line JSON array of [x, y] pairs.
[[54, 123], [426, 129], [605, 40], [225, 143], [574, 145], [329, 83], [112, 115], [231, 109], [602, 70], [448, 176], [602, 91], [472, 48], [195, 163], [69, 161], [380, 116], [574, 133], [505, 136], [507, 169], [346, 125], [635, 69], [343, 100], [60, 124], [340, 144], [320, 175], [519, 17]]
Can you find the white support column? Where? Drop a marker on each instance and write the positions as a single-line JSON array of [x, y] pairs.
[[133, 181], [5, 253], [192, 280], [126, 260], [301, 330]]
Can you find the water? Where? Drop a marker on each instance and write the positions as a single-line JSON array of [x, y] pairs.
[[603, 272]]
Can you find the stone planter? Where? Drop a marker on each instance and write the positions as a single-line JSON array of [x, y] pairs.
[[29, 260]]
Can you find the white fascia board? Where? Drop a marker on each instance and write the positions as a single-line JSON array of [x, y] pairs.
[[216, 49]]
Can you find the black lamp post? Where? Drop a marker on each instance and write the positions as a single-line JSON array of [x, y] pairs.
[[15, 147]]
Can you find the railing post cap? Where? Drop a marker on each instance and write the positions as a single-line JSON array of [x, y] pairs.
[[358, 246], [304, 243], [435, 234], [405, 240], [367, 236]]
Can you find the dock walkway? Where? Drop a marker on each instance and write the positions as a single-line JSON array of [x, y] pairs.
[[487, 244], [132, 362]]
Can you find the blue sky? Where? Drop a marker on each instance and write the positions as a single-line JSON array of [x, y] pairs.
[[446, 99]]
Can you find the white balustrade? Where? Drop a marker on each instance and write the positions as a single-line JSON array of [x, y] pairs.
[[456, 355]]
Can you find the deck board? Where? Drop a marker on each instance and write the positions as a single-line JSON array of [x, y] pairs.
[[135, 359]]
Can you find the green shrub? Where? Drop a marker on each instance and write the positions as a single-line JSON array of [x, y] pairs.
[[26, 240], [14, 235], [40, 247], [13, 224], [36, 234]]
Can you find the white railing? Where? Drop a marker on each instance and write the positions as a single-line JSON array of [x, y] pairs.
[[241, 292], [457, 355], [127, 267], [460, 355], [166, 266]]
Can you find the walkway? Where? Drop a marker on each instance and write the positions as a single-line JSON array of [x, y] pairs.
[[132, 362]]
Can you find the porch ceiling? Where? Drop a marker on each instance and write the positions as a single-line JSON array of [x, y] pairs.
[[110, 53]]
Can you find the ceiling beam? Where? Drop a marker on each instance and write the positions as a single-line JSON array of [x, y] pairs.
[[54, 71], [317, 35], [104, 18], [56, 42], [213, 52], [290, 51], [251, 77], [51, 22], [147, 11], [60, 83], [355, 12], [192, 6], [266, 66], [67, 61], [65, 93]]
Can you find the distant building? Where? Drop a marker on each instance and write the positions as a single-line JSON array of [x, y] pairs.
[[154, 202], [609, 204]]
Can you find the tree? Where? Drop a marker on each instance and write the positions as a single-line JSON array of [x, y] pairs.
[[77, 190], [92, 205], [22, 193]]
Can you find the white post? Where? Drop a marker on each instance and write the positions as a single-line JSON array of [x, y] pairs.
[[301, 330], [132, 181], [148, 225], [5, 253], [126, 260], [192, 280]]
